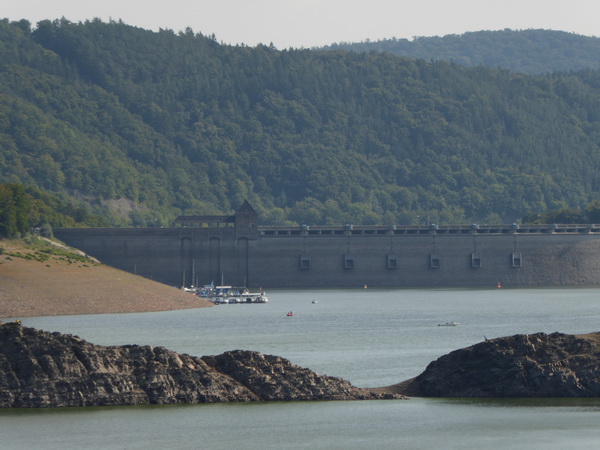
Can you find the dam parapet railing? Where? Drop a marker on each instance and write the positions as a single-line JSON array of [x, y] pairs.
[[350, 230], [378, 230]]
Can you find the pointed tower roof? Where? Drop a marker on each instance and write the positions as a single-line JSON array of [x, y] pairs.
[[246, 208]]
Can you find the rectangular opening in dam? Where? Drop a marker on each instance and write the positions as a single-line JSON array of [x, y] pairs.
[[517, 260], [392, 261], [475, 261]]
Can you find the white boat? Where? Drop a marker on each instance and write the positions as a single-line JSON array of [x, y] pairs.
[[206, 290], [230, 295], [448, 324], [249, 297]]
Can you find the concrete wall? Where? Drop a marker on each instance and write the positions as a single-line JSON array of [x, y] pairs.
[[376, 257]]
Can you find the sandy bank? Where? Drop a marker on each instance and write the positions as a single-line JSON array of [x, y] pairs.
[[60, 286]]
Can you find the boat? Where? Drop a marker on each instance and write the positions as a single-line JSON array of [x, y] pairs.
[[290, 314], [448, 324], [248, 297], [231, 295], [206, 290], [192, 289]]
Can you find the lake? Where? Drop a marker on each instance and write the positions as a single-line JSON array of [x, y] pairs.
[[370, 337]]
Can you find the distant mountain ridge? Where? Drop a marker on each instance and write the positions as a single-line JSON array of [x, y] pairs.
[[525, 51], [142, 126]]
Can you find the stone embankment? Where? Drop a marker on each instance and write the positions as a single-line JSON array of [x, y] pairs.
[[535, 365], [42, 369]]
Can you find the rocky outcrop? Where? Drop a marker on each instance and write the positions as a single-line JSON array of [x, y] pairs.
[[42, 369], [535, 365]]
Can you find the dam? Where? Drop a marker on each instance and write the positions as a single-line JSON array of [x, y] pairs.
[[235, 250]]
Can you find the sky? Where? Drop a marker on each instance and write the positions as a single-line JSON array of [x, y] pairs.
[[311, 23]]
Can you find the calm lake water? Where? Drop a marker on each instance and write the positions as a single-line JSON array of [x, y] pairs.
[[370, 337]]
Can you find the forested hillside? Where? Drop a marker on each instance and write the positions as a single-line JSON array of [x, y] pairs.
[[142, 126], [25, 207], [533, 52]]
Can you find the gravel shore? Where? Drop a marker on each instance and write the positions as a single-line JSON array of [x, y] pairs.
[[31, 288]]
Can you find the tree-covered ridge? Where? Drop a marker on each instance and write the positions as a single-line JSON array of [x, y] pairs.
[[23, 208], [150, 125], [524, 51]]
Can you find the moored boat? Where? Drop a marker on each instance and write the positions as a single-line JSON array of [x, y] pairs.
[[231, 295], [448, 324]]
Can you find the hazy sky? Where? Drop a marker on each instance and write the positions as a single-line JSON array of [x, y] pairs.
[[308, 23]]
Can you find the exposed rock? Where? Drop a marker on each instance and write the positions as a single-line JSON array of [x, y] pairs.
[[42, 369], [535, 365]]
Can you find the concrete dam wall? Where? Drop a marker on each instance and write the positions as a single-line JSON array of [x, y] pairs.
[[236, 251]]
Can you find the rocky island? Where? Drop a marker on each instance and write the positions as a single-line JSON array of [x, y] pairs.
[[42, 369], [534, 365]]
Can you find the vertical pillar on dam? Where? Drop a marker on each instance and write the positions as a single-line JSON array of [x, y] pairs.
[[242, 250], [214, 260], [475, 255], [187, 262]]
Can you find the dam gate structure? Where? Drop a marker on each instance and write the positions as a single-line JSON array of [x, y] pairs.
[[235, 250]]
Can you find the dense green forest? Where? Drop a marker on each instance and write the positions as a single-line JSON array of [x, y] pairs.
[[532, 52], [140, 126], [23, 208]]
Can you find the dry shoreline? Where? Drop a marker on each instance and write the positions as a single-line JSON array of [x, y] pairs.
[[32, 288]]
